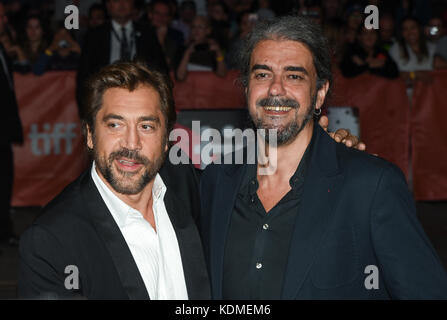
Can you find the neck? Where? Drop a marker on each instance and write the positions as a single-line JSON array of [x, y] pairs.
[[289, 156], [141, 201]]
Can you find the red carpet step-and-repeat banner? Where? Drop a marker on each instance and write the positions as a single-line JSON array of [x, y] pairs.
[[54, 154]]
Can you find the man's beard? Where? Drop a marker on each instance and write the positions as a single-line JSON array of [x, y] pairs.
[[288, 132], [118, 182]]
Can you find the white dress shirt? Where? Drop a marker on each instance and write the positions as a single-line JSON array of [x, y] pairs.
[[156, 254], [115, 44]]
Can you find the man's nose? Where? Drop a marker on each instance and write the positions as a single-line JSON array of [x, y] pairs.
[[132, 139], [277, 87]]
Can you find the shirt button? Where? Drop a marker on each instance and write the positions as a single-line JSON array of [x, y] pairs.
[[253, 182], [252, 199], [258, 265], [265, 226]]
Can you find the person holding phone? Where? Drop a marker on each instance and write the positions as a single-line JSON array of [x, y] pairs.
[[63, 54], [202, 53]]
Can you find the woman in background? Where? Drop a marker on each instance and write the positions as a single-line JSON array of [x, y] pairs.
[[412, 53], [32, 42]]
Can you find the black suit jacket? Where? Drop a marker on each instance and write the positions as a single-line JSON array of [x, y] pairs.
[[356, 211], [96, 52], [77, 229], [11, 130]]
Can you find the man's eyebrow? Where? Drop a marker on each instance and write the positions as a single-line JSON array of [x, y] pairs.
[[140, 119], [295, 68], [261, 67], [149, 118], [111, 116]]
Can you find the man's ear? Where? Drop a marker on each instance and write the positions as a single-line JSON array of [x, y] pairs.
[[321, 95], [89, 137]]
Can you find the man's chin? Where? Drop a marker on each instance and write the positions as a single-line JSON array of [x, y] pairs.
[[128, 185]]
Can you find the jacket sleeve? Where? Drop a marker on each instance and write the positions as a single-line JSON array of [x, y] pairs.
[[42, 266], [409, 265]]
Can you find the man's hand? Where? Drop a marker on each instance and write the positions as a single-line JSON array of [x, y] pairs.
[[342, 135]]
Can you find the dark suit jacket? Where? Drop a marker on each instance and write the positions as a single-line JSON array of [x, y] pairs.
[[76, 228], [11, 130], [356, 211], [96, 51]]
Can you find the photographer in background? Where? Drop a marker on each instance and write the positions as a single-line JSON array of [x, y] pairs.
[[203, 53], [63, 54]]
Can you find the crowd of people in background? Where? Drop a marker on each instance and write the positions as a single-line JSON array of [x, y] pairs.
[[205, 35]]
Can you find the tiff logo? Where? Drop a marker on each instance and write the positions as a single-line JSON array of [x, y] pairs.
[[51, 138]]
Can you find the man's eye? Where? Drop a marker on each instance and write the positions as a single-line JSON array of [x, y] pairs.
[[147, 127], [113, 125], [295, 77], [261, 76]]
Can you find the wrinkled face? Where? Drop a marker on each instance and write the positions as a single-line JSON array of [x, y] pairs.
[[368, 38], [120, 10], [410, 32], [199, 29], [160, 15], [34, 30], [129, 142], [281, 92]]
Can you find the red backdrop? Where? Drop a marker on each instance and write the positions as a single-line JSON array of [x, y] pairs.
[[54, 153], [429, 138]]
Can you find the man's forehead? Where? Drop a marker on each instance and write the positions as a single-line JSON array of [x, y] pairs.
[[282, 53], [142, 98]]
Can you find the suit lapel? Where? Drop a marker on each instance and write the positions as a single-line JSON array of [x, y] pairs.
[[321, 190], [190, 246], [228, 186], [113, 239]]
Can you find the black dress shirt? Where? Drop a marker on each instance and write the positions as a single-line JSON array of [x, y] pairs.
[[258, 241]]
